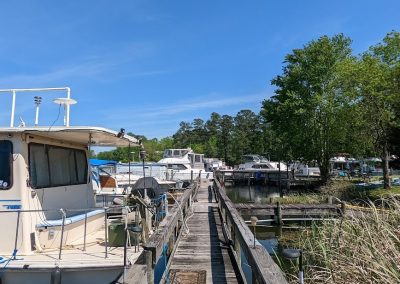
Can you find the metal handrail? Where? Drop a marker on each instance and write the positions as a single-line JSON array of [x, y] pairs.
[[63, 213], [69, 210]]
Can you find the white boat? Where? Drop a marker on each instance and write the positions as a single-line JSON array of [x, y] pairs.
[[304, 170], [254, 162], [184, 164], [50, 227]]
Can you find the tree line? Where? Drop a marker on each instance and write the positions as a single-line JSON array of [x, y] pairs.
[[327, 101]]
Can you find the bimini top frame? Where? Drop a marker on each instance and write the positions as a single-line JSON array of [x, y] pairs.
[[82, 135], [14, 97]]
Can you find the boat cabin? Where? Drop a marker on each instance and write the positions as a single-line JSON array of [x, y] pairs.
[[45, 181], [183, 159]]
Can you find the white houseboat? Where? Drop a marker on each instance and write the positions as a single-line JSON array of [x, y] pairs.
[[184, 164], [51, 231]]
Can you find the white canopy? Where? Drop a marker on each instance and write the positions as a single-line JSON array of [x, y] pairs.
[[78, 135]]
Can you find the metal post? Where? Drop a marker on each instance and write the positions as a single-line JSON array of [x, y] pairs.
[[84, 236], [105, 232], [14, 94], [143, 156], [38, 100], [16, 236], [301, 273], [126, 237], [129, 164], [62, 231], [67, 107]]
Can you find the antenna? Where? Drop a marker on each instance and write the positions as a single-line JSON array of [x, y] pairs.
[[22, 124], [66, 102], [38, 100]]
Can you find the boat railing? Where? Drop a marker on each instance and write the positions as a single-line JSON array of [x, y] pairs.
[[63, 213], [188, 176]]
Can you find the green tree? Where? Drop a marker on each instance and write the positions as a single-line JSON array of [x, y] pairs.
[[378, 85], [225, 138], [309, 113], [246, 134]]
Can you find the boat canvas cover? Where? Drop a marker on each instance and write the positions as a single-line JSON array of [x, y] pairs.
[[78, 135], [98, 162]]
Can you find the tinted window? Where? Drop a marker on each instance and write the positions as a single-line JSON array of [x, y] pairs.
[[51, 166], [5, 164]]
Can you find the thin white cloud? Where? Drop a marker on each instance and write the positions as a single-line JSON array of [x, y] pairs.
[[94, 64], [210, 102]]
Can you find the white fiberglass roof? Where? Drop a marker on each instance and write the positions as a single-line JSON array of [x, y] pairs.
[[77, 134]]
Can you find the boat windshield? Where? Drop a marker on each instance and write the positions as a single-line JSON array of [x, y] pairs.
[[251, 158], [5, 164], [174, 153]]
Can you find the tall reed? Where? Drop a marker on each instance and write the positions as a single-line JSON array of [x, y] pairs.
[[363, 247]]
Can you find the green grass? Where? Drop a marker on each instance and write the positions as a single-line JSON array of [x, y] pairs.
[[384, 193], [356, 249]]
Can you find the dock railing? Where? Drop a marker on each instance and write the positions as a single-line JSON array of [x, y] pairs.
[[253, 260], [162, 241]]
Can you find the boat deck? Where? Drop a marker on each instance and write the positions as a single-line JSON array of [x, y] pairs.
[[74, 256], [203, 250]]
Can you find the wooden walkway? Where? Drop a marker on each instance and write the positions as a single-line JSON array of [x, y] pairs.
[[203, 250]]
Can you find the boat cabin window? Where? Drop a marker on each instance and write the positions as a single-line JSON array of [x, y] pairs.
[[5, 164], [197, 158], [51, 166], [261, 166], [177, 166], [177, 153]]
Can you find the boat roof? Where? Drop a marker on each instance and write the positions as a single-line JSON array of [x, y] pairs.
[[77, 134]]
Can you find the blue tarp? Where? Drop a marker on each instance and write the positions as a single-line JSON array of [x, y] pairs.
[[97, 162]]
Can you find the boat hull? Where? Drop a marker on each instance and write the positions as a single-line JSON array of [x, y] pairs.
[[87, 275]]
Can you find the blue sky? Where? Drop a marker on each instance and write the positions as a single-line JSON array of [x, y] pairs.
[[147, 65]]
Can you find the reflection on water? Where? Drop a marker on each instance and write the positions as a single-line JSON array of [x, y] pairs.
[[267, 235], [253, 193]]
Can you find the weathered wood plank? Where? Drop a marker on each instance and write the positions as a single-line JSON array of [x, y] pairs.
[[204, 247], [135, 274], [266, 270]]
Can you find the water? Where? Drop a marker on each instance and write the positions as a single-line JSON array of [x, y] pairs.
[[270, 235], [252, 194]]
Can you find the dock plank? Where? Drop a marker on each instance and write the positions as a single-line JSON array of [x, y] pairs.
[[204, 248]]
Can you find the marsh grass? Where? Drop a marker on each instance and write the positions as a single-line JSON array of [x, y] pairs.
[[360, 248]]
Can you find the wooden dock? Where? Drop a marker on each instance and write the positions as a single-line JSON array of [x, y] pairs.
[[219, 247], [278, 213], [203, 254]]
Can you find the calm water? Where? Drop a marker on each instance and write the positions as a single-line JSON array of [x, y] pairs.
[[267, 235], [253, 193]]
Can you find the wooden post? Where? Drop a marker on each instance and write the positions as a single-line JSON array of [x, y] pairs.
[[343, 208], [330, 199], [237, 248], [170, 245], [280, 181], [191, 176], [278, 216], [149, 267]]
